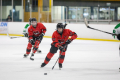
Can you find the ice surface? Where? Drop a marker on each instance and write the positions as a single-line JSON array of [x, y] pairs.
[[85, 60]]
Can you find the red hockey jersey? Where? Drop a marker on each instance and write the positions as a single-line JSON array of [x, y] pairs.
[[40, 28], [61, 39]]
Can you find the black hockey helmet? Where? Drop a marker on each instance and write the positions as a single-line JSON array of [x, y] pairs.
[[30, 19], [118, 36], [60, 25], [33, 22], [34, 19]]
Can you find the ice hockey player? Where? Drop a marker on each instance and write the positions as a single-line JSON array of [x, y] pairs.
[[60, 40], [25, 32], [36, 32], [117, 31]]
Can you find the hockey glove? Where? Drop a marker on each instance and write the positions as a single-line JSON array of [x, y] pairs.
[[31, 41], [25, 34], [68, 41], [41, 36], [61, 48]]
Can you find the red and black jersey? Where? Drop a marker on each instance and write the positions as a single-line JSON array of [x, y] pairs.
[[40, 28], [61, 39]]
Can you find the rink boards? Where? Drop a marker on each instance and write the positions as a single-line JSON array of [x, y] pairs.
[[84, 33]]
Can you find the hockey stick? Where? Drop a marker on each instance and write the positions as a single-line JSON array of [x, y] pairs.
[[86, 23], [57, 60], [65, 25], [14, 37], [31, 58]]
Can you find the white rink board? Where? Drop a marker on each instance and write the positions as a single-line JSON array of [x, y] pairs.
[[81, 30]]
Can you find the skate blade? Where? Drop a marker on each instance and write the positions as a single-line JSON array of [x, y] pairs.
[[32, 59]]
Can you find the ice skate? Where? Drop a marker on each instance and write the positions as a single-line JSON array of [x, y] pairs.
[[25, 55], [32, 56]]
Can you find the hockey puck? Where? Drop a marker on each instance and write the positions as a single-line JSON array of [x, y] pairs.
[[45, 73]]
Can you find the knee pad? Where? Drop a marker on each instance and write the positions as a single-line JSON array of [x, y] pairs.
[[28, 50], [62, 56], [29, 46], [37, 44], [50, 55], [35, 48]]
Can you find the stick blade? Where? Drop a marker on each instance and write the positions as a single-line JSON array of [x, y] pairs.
[[86, 23], [52, 67]]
